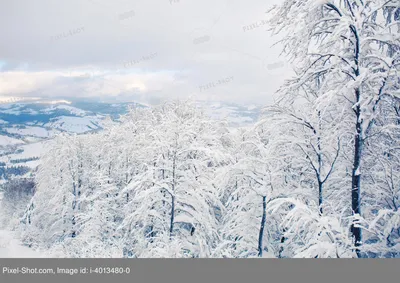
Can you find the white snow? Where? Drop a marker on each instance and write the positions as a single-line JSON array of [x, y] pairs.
[[32, 131], [31, 164], [15, 110], [5, 141], [30, 150], [75, 124], [71, 109], [11, 247]]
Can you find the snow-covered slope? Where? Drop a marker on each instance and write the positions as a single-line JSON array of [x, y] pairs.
[[25, 125], [70, 109], [7, 141], [44, 119], [75, 124], [11, 247], [235, 114]]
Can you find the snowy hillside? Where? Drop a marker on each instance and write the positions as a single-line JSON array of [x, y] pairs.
[[7, 141], [26, 124], [234, 114], [75, 124]]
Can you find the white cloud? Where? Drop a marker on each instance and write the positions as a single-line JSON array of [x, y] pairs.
[[162, 39]]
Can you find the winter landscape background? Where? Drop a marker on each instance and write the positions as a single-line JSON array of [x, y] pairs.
[[213, 146]]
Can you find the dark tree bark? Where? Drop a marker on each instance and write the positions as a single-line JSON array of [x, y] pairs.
[[358, 148], [171, 229], [283, 239], [262, 227], [356, 185]]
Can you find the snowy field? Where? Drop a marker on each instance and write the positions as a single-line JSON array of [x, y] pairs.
[[33, 131], [76, 124], [7, 141], [10, 247], [29, 151]]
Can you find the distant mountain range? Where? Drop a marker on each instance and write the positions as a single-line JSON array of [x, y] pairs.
[[25, 124], [44, 118]]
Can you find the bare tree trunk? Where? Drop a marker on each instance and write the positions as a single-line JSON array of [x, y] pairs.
[[320, 199], [73, 222], [283, 239], [171, 229], [356, 183], [320, 183], [262, 226], [358, 148]]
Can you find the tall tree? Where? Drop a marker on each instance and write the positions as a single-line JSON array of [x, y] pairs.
[[344, 43]]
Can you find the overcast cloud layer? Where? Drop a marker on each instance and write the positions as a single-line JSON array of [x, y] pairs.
[[145, 50]]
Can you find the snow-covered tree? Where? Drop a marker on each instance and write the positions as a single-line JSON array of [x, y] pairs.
[[174, 200], [247, 188], [351, 47]]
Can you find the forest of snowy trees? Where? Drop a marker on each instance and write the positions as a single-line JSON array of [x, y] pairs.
[[318, 176]]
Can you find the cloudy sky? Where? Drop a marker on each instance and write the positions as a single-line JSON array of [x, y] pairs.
[[144, 50]]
